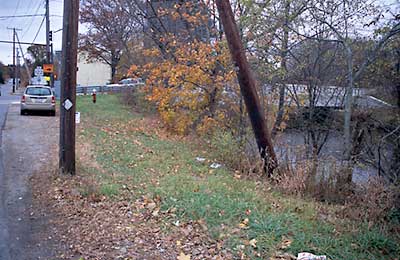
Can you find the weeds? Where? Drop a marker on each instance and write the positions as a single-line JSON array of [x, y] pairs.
[[234, 211], [374, 202]]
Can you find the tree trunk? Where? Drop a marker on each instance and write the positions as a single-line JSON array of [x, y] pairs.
[[113, 72], [282, 86], [348, 105], [247, 86], [347, 117], [114, 64]]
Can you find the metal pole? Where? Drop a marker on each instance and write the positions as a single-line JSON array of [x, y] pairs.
[[14, 72], [68, 87], [52, 62], [49, 46], [47, 32]]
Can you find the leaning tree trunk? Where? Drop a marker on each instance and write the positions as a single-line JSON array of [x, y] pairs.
[[247, 86]]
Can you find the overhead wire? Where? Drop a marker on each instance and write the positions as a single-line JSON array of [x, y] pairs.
[[19, 16], [15, 12], [31, 22], [28, 6], [40, 27]]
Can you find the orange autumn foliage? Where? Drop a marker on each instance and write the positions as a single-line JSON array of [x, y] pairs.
[[189, 88]]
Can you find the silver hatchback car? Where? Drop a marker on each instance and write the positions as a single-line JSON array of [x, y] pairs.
[[38, 98]]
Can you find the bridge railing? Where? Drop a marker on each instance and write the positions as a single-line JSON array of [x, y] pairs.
[[87, 90]]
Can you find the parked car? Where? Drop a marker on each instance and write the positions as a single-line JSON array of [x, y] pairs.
[[129, 82], [132, 81], [38, 98]]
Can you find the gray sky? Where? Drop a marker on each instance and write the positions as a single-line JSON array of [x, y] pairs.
[[29, 25]]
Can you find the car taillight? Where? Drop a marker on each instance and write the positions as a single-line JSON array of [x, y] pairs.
[[23, 99], [53, 99]]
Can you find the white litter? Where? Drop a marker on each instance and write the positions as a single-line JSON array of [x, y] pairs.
[[309, 256], [215, 165], [200, 159]]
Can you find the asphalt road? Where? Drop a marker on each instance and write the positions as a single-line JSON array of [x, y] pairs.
[[6, 99]]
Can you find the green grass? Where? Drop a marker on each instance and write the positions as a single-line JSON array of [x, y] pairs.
[[168, 169]]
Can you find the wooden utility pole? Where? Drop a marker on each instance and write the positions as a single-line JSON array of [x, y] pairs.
[[25, 61], [14, 70], [18, 71], [247, 86], [68, 87]]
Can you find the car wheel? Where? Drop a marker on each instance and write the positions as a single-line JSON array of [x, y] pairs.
[[22, 112]]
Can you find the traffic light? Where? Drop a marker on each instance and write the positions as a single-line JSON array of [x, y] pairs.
[[51, 36]]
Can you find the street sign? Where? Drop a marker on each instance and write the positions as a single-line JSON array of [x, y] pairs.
[[67, 104], [48, 68], [38, 71]]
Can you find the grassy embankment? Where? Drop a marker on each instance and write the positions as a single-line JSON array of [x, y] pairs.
[[134, 153]]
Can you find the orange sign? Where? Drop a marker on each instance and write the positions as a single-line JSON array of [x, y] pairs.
[[48, 68]]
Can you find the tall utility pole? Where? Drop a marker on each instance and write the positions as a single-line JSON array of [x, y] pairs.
[[18, 71], [247, 86], [49, 52], [25, 61], [68, 86], [14, 71], [48, 32]]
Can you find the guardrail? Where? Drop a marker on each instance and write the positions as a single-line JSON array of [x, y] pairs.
[[87, 90]]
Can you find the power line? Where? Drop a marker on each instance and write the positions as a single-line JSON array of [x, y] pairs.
[[15, 12], [24, 43], [40, 27], [33, 18], [28, 6], [19, 16]]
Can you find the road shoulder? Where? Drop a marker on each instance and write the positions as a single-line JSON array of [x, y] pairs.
[[29, 145]]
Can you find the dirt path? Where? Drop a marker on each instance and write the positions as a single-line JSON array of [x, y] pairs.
[[29, 144]]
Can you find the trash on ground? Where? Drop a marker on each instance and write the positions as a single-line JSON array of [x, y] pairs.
[[215, 165], [309, 256], [200, 159]]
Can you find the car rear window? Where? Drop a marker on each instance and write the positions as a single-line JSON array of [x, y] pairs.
[[38, 91]]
